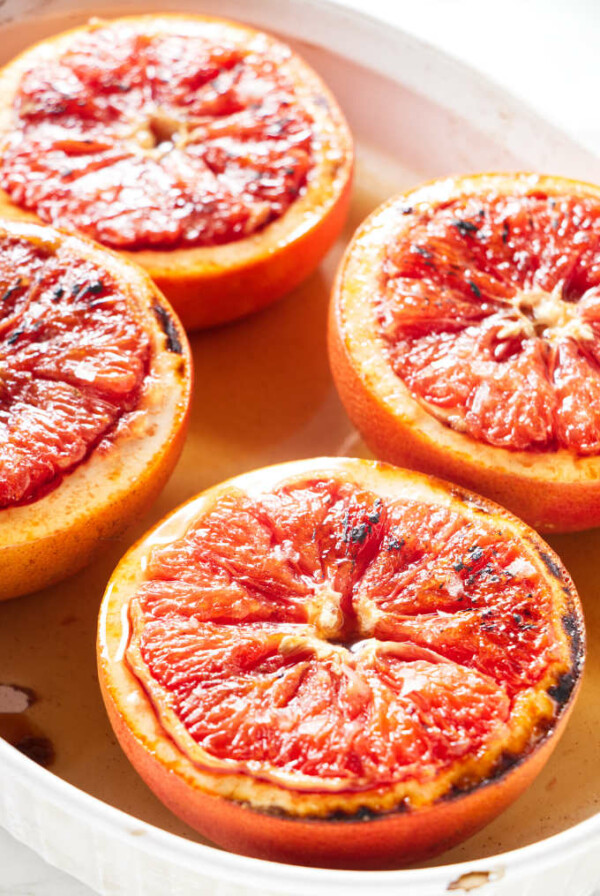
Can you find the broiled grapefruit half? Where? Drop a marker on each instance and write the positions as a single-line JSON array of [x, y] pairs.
[[95, 379], [338, 662], [205, 150], [465, 339]]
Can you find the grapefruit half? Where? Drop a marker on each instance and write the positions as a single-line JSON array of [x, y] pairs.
[[338, 662], [95, 379], [465, 339], [204, 149]]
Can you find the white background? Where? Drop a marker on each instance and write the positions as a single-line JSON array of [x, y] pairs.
[[544, 51]]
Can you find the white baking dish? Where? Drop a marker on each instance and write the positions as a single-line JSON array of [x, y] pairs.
[[416, 113]]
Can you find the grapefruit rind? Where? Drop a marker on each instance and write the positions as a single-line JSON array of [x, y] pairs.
[[415, 818], [212, 285], [44, 541], [551, 490]]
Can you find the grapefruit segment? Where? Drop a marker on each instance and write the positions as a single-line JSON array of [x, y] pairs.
[[48, 428], [93, 400], [577, 383], [329, 638], [464, 339], [205, 150]]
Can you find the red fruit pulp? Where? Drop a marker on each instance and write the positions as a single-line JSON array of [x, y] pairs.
[[489, 307], [329, 638], [73, 357], [158, 140]]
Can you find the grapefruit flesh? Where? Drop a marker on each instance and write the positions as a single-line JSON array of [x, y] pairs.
[[341, 642], [158, 140], [490, 310], [73, 357]]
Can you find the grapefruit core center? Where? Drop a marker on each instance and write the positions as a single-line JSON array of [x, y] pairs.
[[547, 315]]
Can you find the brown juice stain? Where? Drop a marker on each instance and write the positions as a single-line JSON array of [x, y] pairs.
[[16, 726], [263, 394]]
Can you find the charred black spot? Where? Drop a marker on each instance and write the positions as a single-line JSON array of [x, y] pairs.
[[543, 728], [523, 626], [505, 762], [474, 289], [551, 565], [83, 290], [375, 516], [573, 633], [94, 289], [468, 498], [39, 749], [488, 572], [424, 253], [464, 227], [170, 330], [276, 128], [363, 813], [563, 688], [407, 210], [11, 291], [15, 336], [476, 552], [359, 533], [505, 232], [57, 294], [345, 526]]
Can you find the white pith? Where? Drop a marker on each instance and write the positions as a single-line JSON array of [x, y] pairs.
[[536, 312]]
